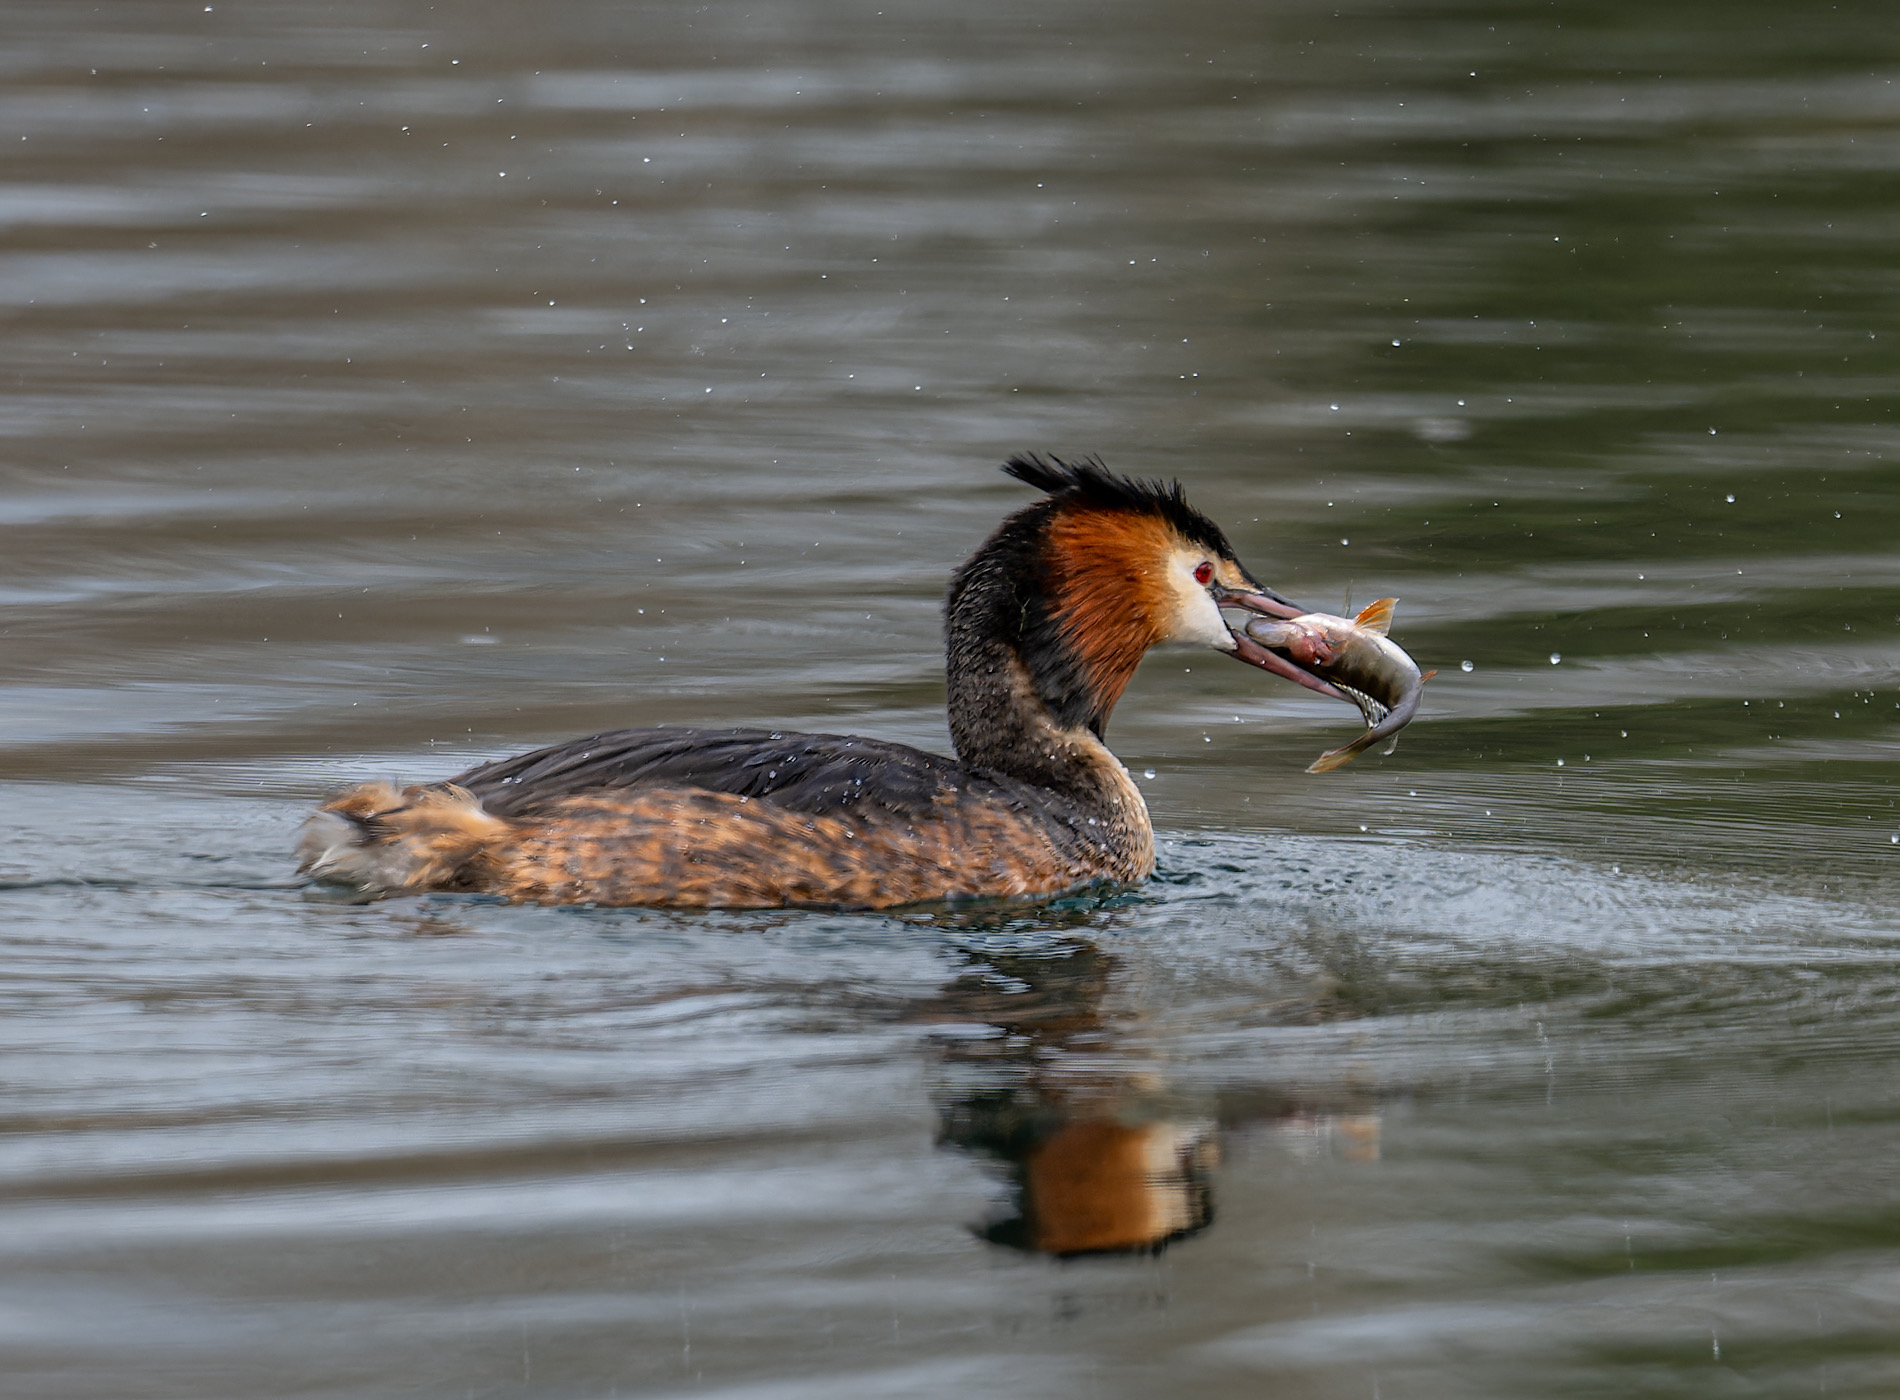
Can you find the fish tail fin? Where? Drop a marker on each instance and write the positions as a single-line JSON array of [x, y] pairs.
[[1340, 757], [1377, 617], [1427, 675], [381, 840]]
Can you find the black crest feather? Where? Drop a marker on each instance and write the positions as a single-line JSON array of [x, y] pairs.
[[1088, 481]]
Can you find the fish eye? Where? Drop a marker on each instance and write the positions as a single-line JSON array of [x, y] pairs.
[[1203, 573]]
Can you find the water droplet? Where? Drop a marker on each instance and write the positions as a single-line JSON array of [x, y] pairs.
[[1466, 666], [1345, 541], [1560, 763], [1395, 342], [1555, 657], [1147, 772], [1335, 408], [1731, 498]]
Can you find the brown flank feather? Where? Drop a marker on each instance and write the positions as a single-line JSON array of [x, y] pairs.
[[387, 841]]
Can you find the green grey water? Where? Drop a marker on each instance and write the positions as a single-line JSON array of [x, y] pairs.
[[385, 387]]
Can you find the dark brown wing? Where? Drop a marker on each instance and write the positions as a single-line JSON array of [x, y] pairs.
[[813, 773]]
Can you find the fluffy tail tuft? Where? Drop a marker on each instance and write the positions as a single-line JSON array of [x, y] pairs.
[[383, 840]]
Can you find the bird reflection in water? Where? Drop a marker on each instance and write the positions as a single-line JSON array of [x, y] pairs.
[[1098, 1158], [1102, 1152]]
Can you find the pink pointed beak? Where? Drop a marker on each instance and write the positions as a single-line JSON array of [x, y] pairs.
[[1257, 599]]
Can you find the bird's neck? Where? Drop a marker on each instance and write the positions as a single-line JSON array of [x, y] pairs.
[[1021, 706], [1000, 724]]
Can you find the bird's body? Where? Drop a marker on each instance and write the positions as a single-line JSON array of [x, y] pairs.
[[745, 818], [1044, 626]]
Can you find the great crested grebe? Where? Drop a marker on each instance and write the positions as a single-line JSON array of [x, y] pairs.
[[1044, 626]]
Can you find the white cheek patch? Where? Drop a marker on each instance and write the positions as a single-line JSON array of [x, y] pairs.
[[1196, 617]]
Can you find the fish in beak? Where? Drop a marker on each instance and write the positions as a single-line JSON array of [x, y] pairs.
[[1356, 661], [1264, 603]]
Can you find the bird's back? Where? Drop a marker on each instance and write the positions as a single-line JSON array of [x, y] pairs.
[[815, 774]]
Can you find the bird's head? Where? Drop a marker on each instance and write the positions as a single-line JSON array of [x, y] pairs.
[[1085, 581]]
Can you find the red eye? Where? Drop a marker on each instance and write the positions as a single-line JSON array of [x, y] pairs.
[[1204, 573]]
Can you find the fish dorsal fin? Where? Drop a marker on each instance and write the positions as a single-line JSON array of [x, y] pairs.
[[1377, 617]]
